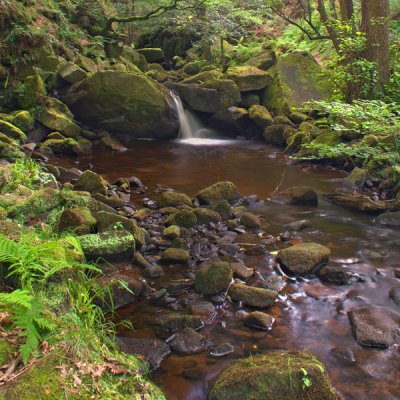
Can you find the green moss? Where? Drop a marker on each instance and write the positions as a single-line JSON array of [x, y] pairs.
[[61, 146], [273, 98], [79, 220], [203, 77], [213, 278], [183, 218], [274, 376], [174, 199], [252, 296], [23, 120], [31, 91], [219, 191], [12, 131], [205, 216], [181, 321], [6, 351]]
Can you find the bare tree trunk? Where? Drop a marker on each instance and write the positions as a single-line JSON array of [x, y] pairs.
[[346, 9], [376, 23]]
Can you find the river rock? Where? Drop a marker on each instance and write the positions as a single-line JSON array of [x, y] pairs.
[[222, 350], [339, 275], [71, 73], [213, 277], [224, 209], [303, 258], [126, 103], [299, 195], [182, 218], [211, 195], [79, 220], [172, 232], [394, 294], [175, 256], [277, 134], [174, 199], [356, 179], [205, 216], [391, 219], [273, 376], [252, 296], [241, 271], [249, 220], [181, 321], [298, 225], [91, 182], [261, 116], [189, 342], [249, 78], [374, 327], [153, 350], [202, 308], [259, 320], [109, 143]]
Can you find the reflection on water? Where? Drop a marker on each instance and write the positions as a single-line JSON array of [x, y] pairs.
[[312, 316]]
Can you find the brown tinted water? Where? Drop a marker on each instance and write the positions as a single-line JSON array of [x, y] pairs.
[[310, 315]]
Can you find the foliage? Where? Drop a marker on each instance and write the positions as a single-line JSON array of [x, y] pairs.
[[28, 316]]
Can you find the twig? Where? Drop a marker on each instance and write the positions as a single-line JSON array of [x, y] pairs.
[[280, 183]]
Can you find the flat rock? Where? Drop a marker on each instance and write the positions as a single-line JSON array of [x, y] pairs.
[[189, 342], [259, 320], [252, 296]]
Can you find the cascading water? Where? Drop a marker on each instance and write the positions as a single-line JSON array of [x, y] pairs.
[[191, 128]]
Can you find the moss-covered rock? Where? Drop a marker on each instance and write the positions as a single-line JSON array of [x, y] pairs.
[[273, 376], [175, 256], [261, 116], [181, 321], [182, 218], [174, 199], [224, 209], [31, 91], [205, 216], [172, 232], [79, 220], [126, 103], [91, 182], [252, 296], [299, 195], [213, 277], [12, 131], [249, 220], [56, 116], [218, 191], [109, 245], [72, 73], [304, 258], [249, 78], [278, 134], [202, 77], [152, 55], [61, 145], [23, 120]]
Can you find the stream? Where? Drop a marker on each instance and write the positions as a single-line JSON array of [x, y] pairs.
[[310, 315]]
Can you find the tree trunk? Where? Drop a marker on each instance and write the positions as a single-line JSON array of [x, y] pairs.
[[376, 24]]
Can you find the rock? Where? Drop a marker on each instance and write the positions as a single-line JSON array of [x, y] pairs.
[[150, 270], [10, 229], [108, 245], [125, 103], [222, 350], [298, 225], [303, 258], [153, 350], [374, 327], [67, 146], [356, 179], [72, 73], [391, 219], [277, 134], [189, 342], [78, 220], [213, 277], [210, 96], [87, 64], [272, 282], [252, 296], [56, 116], [33, 90], [297, 117], [182, 218], [110, 143], [175, 256], [174, 199], [12, 131], [241, 271], [249, 78], [259, 320], [261, 116], [111, 220], [152, 55], [219, 191], [264, 60], [224, 209], [202, 309], [23, 120], [297, 78], [172, 232], [249, 220], [91, 182], [299, 195], [205, 216], [339, 275], [181, 321], [273, 376], [394, 294], [249, 99]]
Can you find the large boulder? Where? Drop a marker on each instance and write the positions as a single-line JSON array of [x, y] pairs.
[[210, 96], [152, 55], [249, 78], [213, 277], [298, 78], [211, 195], [252, 296], [274, 376], [127, 103], [304, 258]]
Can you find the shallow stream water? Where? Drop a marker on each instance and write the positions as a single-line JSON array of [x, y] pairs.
[[310, 315]]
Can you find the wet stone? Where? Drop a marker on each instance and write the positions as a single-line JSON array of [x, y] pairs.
[[257, 250], [181, 321], [344, 355], [394, 294], [189, 342], [252, 296], [339, 275], [175, 256], [298, 225], [241, 271], [153, 271], [222, 350], [259, 320], [202, 308], [249, 220], [273, 282]]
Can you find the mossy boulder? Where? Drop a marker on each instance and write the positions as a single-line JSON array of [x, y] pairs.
[[213, 277], [327, 137], [56, 116], [264, 60], [172, 232], [205, 216], [249, 78], [174, 199], [109, 245], [66, 146], [182, 218], [181, 321], [298, 195], [261, 116], [72, 73], [304, 258], [175, 256], [209, 96], [79, 220], [203, 77], [23, 120], [218, 191], [125, 103], [273, 376], [12, 131], [152, 55], [31, 91], [91, 182], [252, 296], [234, 121], [249, 220], [278, 134], [224, 209]]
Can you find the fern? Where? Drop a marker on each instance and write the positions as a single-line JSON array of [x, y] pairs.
[[27, 315]]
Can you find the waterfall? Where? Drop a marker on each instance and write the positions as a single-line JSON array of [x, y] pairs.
[[191, 126]]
